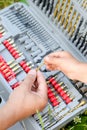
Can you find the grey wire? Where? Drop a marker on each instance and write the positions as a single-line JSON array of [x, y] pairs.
[[23, 124]]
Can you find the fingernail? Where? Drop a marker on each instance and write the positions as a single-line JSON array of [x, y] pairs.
[[33, 72]]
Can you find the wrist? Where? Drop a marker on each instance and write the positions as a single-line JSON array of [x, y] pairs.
[[7, 116], [11, 110], [14, 113], [81, 72]]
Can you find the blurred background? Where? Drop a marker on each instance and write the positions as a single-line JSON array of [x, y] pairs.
[[5, 3]]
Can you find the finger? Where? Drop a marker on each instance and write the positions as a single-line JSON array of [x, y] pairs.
[[48, 65], [42, 86], [49, 58], [52, 61], [56, 54], [29, 80], [60, 54], [34, 86], [51, 67]]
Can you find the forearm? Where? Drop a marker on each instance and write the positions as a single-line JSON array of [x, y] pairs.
[[81, 72], [7, 117]]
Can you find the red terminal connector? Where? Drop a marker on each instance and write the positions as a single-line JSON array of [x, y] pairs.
[[68, 100], [56, 103], [15, 85], [51, 79], [52, 97], [1, 35], [25, 67], [11, 49], [65, 96], [60, 90], [5, 70]]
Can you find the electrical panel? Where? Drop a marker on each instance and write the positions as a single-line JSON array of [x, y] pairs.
[[27, 35]]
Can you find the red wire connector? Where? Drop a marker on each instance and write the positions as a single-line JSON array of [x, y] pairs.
[[25, 67], [11, 49], [5, 70]]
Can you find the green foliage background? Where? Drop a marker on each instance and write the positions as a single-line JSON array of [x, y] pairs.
[[79, 123], [4, 3]]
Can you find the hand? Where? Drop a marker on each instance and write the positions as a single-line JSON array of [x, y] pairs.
[[64, 62], [24, 100]]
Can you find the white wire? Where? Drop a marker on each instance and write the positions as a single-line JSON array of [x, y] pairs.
[[23, 124]]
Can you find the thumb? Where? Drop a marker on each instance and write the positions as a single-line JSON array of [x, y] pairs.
[[29, 80]]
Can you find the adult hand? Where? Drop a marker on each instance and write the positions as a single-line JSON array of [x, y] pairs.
[[64, 62], [23, 101]]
